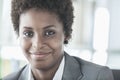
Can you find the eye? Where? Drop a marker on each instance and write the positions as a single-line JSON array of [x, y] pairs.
[[49, 33], [28, 34]]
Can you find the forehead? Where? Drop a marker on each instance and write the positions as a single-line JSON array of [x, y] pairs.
[[34, 17]]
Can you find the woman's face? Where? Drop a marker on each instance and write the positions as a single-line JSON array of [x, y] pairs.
[[41, 38]]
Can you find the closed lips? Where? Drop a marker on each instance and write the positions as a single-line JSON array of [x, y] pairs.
[[40, 54]]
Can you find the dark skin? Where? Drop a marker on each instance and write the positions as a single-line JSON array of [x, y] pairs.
[[42, 40]]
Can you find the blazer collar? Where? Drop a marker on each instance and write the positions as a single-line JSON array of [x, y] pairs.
[[72, 69]]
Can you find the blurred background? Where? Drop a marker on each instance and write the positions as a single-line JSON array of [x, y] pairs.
[[96, 35]]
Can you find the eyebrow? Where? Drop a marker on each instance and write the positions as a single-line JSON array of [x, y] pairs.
[[46, 27], [27, 27], [49, 26]]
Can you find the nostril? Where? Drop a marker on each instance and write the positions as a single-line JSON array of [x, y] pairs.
[[38, 45]]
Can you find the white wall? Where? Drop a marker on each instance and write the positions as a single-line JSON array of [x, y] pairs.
[[114, 34], [114, 38]]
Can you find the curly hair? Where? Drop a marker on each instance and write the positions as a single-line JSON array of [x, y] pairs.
[[62, 8]]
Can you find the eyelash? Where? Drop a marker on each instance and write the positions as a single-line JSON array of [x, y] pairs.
[[28, 34], [47, 33]]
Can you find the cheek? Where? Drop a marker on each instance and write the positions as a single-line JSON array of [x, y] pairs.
[[58, 43], [25, 44]]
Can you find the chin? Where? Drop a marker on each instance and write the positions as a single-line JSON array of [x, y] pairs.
[[41, 66]]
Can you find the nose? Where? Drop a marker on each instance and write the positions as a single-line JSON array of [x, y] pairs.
[[38, 42]]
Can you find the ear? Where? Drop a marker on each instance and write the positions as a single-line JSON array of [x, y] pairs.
[[66, 39]]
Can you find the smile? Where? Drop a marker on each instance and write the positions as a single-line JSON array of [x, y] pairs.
[[40, 55]]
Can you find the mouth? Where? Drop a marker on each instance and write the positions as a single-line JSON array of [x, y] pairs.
[[40, 55]]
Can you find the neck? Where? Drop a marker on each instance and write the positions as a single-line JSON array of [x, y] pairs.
[[43, 75]]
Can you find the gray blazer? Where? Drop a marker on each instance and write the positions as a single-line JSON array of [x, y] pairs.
[[75, 69]]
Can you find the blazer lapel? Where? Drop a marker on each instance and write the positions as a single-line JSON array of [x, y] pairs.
[[72, 69], [24, 74]]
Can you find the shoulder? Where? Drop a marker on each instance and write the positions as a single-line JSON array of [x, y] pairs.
[[97, 71], [83, 63], [92, 71], [87, 64], [14, 75]]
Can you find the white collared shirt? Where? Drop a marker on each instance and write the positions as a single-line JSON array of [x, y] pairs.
[[58, 74]]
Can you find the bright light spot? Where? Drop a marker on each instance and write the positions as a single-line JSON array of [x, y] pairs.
[[101, 36], [101, 29], [100, 57]]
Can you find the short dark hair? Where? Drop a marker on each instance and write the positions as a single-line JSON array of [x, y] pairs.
[[62, 8]]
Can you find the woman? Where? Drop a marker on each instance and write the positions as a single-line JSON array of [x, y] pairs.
[[43, 27]]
